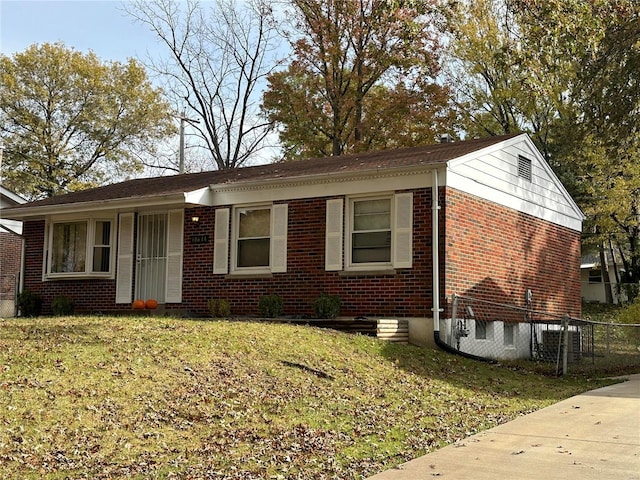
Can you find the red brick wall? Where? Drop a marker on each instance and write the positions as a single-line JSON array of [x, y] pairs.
[[90, 295], [496, 253], [11, 252], [490, 251], [407, 293]]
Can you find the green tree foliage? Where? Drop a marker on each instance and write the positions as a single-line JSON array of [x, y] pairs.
[[360, 69], [69, 121], [603, 39], [505, 80], [566, 72]]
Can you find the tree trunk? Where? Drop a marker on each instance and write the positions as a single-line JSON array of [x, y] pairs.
[[604, 271]]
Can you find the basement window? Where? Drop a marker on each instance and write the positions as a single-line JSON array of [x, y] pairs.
[[509, 336], [524, 167], [481, 330]]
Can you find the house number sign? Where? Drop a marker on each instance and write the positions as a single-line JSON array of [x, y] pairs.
[[199, 239]]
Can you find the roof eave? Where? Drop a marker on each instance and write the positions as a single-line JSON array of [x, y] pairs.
[[325, 177], [32, 213]]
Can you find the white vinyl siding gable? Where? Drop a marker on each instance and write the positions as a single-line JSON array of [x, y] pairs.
[[174, 256], [496, 174], [124, 269]]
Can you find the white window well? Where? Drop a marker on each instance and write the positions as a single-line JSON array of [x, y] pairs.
[[80, 248]]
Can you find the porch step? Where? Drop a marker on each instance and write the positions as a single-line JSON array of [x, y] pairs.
[[393, 330]]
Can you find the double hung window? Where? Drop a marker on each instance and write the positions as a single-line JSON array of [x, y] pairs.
[[371, 231], [253, 237], [258, 241], [80, 248]]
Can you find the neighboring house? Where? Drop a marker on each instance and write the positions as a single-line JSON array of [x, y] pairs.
[[366, 227], [10, 253], [593, 283]]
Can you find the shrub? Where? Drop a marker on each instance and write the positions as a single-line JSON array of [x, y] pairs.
[[62, 306], [219, 308], [29, 304], [631, 315], [327, 306], [271, 306]]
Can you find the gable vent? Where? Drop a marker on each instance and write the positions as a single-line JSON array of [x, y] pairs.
[[524, 167]]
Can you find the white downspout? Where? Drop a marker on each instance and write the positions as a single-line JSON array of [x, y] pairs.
[[435, 207]]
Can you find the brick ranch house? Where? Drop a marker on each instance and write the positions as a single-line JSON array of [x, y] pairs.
[[10, 253], [367, 227]]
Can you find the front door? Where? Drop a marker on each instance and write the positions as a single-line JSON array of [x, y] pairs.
[[151, 257]]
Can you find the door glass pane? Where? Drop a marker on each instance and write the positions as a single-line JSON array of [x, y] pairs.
[[509, 335], [69, 247], [151, 264]]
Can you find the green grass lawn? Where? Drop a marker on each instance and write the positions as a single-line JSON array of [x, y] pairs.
[[101, 397]]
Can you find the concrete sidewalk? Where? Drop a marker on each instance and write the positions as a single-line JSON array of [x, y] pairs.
[[595, 435]]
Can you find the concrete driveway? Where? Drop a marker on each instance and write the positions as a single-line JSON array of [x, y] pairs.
[[595, 435]]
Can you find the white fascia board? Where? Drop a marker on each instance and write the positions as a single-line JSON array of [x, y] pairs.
[[202, 196], [318, 186], [125, 204], [11, 226], [14, 197]]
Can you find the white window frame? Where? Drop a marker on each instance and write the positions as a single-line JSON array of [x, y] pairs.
[[505, 336], [235, 237], [488, 330], [89, 248], [348, 237]]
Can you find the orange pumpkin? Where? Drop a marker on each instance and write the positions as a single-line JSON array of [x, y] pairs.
[[138, 305], [151, 304]]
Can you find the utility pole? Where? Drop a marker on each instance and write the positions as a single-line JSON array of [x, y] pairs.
[[183, 119]]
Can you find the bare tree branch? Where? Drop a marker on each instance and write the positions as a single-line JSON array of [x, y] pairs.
[[220, 56]]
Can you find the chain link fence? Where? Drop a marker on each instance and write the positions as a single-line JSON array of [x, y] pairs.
[[8, 295], [557, 344]]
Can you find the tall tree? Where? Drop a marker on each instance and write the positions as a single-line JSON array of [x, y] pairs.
[[69, 121], [346, 52], [566, 71], [220, 55], [505, 80]]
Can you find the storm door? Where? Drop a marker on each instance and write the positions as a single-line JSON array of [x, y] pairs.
[[151, 257]]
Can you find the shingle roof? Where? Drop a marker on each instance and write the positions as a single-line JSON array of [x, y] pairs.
[[362, 162]]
